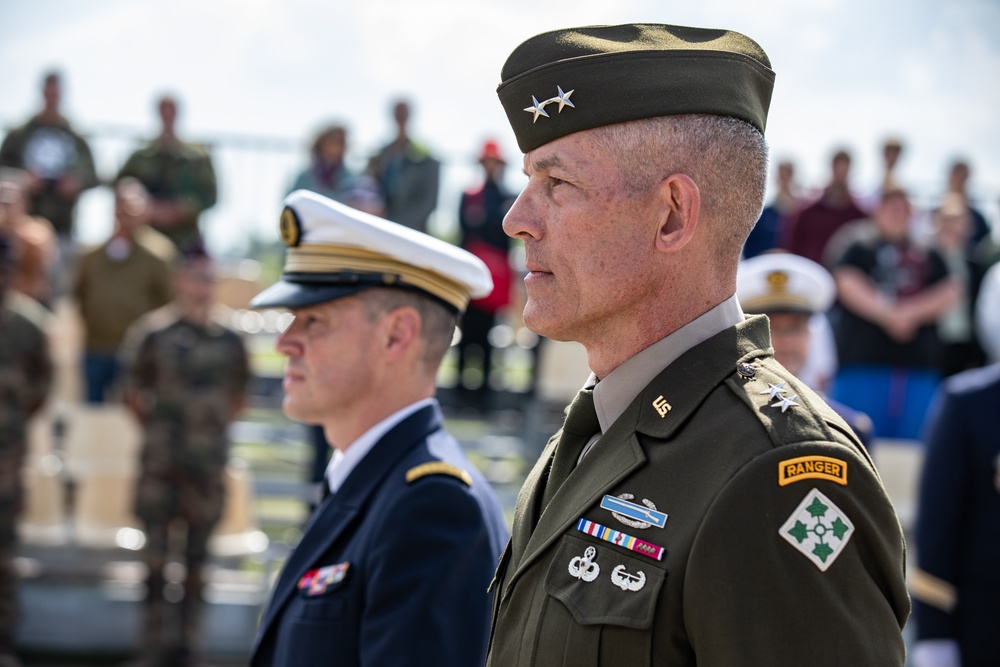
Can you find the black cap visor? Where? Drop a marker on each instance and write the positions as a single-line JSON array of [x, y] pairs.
[[301, 290]]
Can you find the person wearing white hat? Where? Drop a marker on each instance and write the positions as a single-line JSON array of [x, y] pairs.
[[394, 563], [792, 291]]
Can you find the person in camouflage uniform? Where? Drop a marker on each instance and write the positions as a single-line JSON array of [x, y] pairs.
[[25, 379], [56, 158], [59, 167], [179, 176], [186, 381]]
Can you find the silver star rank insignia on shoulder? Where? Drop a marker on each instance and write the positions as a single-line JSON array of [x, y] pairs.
[[774, 390], [785, 402]]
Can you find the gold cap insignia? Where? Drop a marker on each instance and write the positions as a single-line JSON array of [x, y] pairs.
[[778, 281], [291, 229]]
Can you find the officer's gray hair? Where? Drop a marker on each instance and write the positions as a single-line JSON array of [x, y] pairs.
[[437, 322], [726, 157]]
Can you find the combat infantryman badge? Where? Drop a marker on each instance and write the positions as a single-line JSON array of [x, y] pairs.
[[584, 567], [818, 529], [626, 580], [633, 515]]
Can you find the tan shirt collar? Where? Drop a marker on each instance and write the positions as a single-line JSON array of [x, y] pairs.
[[613, 394]]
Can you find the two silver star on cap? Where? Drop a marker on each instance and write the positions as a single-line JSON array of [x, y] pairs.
[[777, 391], [538, 108]]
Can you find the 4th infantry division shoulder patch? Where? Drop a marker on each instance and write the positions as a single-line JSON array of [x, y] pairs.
[[819, 529]]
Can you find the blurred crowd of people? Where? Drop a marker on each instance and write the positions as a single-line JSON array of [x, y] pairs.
[[150, 338], [911, 289], [908, 281]]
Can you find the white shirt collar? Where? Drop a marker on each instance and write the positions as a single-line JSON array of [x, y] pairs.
[[344, 461]]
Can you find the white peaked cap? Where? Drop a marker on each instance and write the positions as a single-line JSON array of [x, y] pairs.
[[783, 282], [335, 250]]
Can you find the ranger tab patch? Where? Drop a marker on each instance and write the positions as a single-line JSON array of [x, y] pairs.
[[812, 467]]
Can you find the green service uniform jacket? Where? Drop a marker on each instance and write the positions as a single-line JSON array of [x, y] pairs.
[[780, 546]]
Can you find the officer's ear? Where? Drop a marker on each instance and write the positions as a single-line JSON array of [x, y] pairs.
[[401, 327], [679, 205]]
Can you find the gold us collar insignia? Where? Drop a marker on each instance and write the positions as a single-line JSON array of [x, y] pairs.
[[538, 108]]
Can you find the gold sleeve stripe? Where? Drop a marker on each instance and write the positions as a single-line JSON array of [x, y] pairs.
[[316, 258], [933, 591], [437, 468]]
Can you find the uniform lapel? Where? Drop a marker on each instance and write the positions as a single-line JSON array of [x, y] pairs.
[[326, 525], [684, 385], [338, 511], [616, 455], [528, 501]]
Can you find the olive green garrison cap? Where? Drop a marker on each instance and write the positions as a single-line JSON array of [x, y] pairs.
[[575, 79]]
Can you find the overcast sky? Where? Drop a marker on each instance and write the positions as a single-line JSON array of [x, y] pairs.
[[849, 73]]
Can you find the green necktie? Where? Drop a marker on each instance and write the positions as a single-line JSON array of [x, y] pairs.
[[580, 425]]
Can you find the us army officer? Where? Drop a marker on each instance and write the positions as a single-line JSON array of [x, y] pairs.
[[700, 506]]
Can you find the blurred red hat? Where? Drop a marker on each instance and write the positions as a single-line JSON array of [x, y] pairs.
[[492, 150]]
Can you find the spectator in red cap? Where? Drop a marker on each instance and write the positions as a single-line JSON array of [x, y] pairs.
[[480, 217]]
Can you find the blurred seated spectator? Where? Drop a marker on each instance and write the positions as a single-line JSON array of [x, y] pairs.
[[766, 234], [178, 176], [808, 232], [25, 380], [35, 238], [792, 291], [891, 292], [117, 282], [960, 343]]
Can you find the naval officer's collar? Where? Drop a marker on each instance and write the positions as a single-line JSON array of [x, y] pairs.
[[344, 461], [614, 393]]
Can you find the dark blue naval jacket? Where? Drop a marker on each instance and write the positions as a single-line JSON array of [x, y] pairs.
[[390, 571], [956, 587]]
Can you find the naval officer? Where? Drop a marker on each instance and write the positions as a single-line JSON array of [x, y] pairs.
[[792, 291], [955, 583], [700, 506], [394, 564]]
